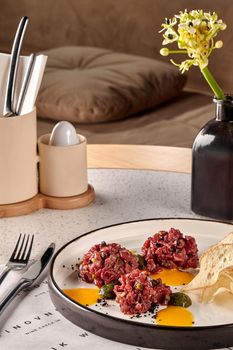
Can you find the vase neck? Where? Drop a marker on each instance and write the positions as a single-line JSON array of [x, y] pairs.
[[224, 109]]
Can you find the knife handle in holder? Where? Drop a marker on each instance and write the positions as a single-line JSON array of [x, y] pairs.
[[8, 298]]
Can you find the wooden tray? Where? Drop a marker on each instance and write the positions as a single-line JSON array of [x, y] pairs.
[[43, 201]]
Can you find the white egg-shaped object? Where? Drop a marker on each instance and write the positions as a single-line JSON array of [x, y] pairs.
[[63, 134]]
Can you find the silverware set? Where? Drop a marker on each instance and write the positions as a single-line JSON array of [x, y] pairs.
[[19, 260]]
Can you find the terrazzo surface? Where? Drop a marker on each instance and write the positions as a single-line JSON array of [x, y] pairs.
[[121, 195]]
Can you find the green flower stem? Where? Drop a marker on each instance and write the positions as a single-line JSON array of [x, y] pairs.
[[213, 84], [177, 51]]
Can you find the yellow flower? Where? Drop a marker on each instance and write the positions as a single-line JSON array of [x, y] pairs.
[[195, 33]]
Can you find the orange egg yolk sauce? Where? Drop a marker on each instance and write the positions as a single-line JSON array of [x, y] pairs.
[[84, 296], [173, 277], [174, 315]]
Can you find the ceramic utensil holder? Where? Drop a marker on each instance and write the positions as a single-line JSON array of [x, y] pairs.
[[18, 158], [62, 170]]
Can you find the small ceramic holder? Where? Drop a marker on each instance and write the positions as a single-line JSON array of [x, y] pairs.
[[18, 158], [62, 170]]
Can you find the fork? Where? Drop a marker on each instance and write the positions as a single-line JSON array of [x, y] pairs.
[[20, 256]]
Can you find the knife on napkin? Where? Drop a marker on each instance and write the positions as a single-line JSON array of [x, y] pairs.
[[29, 277]]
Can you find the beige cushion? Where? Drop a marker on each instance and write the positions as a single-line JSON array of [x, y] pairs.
[[87, 85]]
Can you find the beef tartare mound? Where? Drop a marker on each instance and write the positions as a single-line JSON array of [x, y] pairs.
[[138, 292], [170, 250], [105, 263]]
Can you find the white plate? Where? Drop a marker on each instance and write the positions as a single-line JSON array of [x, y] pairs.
[[132, 235]]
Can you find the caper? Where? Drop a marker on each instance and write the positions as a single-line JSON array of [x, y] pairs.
[[180, 299], [141, 262], [138, 286], [106, 291]]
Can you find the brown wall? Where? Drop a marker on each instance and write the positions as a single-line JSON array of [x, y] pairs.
[[124, 25]]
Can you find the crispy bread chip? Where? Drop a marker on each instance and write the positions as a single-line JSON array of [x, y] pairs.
[[228, 239], [224, 282], [213, 261]]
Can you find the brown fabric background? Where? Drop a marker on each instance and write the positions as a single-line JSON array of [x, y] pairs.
[[173, 124], [129, 26], [89, 85]]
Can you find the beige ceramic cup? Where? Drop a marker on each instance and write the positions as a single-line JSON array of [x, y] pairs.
[[18, 158], [62, 170]]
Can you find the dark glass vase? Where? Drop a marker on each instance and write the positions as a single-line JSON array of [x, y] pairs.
[[212, 165]]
